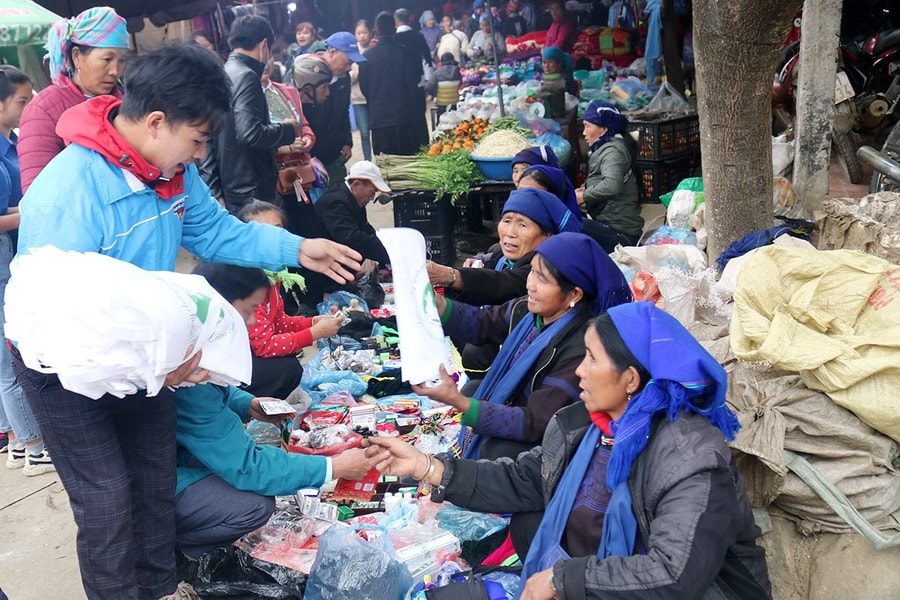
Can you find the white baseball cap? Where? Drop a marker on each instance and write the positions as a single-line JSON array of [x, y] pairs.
[[369, 171]]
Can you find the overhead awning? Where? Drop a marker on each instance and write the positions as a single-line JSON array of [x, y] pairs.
[[23, 22]]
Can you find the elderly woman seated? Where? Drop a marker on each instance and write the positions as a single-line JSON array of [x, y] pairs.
[[570, 280], [641, 494]]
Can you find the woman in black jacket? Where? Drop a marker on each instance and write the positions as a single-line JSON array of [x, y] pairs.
[[641, 494]]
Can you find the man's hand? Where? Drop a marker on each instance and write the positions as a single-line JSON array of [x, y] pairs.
[[346, 151], [392, 456], [329, 258], [303, 143], [256, 412], [186, 372], [350, 464]]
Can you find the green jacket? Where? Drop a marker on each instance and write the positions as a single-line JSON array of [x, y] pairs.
[[610, 191], [211, 439]]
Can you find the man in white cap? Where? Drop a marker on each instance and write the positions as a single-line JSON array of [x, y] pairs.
[[341, 211]]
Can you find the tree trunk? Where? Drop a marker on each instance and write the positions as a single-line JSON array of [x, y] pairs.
[[736, 44]]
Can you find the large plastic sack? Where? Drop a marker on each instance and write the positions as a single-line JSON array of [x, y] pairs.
[[348, 567], [870, 224], [653, 258], [228, 571], [120, 329], [468, 525], [560, 145], [833, 317], [693, 184]]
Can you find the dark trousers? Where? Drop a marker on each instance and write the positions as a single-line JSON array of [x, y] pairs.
[[275, 377], [116, 459], [212, 513], [606, 236], [404, 139]]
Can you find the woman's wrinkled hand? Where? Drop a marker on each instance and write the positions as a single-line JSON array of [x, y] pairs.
[[391, 456], [445, 391], [188, 372]]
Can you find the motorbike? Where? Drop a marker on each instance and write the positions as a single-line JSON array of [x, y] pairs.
[[867, 90], [886, 169]]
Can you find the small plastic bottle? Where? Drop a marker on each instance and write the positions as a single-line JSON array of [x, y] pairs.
[[391, 502]]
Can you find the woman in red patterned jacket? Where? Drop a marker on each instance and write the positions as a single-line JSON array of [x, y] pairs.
[[276, 338], [86, 56]]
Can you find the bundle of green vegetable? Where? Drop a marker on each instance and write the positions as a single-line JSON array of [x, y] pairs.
[[510, 123], [452, 173]]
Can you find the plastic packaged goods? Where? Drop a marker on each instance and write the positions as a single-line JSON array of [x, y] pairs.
[[121, 328]]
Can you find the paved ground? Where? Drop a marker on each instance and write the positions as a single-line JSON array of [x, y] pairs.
[[37, 533]]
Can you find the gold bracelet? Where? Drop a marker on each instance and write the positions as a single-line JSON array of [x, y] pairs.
[[424, 475], [430, 471], [556, 595], [452, 277]]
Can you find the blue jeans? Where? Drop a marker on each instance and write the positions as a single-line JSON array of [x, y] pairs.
[[361, 113], [15, 415], [211, 513]]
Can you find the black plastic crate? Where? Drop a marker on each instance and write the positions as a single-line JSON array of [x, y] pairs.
[[422, 211], [664, 136], [656, 178], [440, 249], [469, 214]]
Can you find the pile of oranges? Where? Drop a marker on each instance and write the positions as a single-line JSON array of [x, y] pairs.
[[462, 137]]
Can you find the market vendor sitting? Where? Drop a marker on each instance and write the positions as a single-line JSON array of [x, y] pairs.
[[529, 157], [483, 44], [226, 482], [529, 217], [555, 181], [610, 193], [570, 280], [641, 493], [557, 66]]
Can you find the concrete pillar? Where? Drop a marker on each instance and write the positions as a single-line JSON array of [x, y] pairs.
[[815, 99]]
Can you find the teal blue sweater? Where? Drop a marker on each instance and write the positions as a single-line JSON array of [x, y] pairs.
[[211, 439]]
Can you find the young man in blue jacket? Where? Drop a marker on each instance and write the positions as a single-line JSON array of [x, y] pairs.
[[126, 186]]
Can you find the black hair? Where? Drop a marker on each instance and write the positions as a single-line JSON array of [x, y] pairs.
[[402, 15], [258, 207], [248, 31], [10, 80], [545, 180], [362, 22], [231, 281], [180, 79], [202, 33], [615, 347], [384, 24]]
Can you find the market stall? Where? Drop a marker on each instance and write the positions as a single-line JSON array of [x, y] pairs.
[[23, 33]]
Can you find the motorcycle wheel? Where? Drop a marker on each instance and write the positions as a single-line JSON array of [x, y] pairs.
[[891, 149], [846, 150]]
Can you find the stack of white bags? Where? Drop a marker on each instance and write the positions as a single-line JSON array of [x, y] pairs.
[[117, 328]]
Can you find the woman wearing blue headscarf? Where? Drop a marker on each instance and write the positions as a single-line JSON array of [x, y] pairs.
[[641, 494], [557, 64], [610, 192], [529, 157], [533, 376], [553, 180]]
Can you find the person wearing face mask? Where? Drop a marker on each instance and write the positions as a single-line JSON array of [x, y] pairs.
[[331, 119], [86, 56], [241, 165]]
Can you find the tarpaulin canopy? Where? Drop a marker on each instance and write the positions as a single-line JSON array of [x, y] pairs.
[[23, 22]]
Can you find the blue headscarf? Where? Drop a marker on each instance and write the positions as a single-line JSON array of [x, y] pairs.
[[536, 155], [565, 60], [683, 378], [543, 208], [562, 187], [583, 262], [98, 27], [604, 114]]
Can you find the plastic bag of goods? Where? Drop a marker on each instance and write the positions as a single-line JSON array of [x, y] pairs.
[[121, 328]]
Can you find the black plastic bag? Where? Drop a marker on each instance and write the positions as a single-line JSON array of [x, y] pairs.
[[232, 573]]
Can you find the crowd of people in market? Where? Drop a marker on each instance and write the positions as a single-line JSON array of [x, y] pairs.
[[599, 422]]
